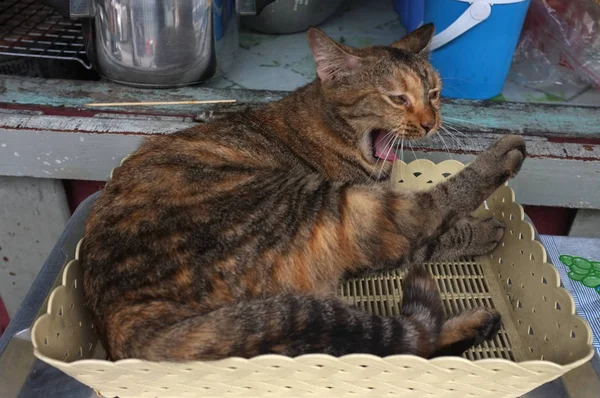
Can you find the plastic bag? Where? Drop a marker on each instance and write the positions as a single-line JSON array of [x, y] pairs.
[[559, 51]]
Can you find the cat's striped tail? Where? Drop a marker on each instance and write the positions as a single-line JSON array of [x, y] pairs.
[[292, 325]]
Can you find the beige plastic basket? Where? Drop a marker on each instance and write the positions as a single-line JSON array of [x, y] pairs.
[[541, 338]]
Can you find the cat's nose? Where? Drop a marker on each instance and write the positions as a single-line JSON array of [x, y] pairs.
[[427, 126]]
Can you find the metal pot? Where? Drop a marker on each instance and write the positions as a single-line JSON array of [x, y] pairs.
[[291, 16], [160, 43]]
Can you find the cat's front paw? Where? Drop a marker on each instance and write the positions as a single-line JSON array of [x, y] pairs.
[[504, 158], [487, 233]]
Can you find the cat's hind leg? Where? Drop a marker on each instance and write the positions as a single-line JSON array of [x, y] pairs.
[[467, 329], [287, 324]]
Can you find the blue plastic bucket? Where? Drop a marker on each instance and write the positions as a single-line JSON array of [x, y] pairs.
[[475, 64]]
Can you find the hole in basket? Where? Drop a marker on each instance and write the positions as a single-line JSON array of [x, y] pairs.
[[416, 174], [45, 340], [80, 324], [509, 281], [502, 214], [401, 181], [546, 339], [503, 200], [232, 367], [530, 331], [530, 349], [446, 175], [557, 306], [544, 298], [557, 325], [429, 182], [542, 358], [57, 335], [71, 307], [90, 346], [500, 261], [519, 321], [80, 353], [531, 257], [519, 304], [66, 356], [74, 283], [522, 252], [533, 274], [364, 366], [522, 286], [521, 236], [573, 334], [511, 216], [533, 310], [60, 311], [123, 388], [164, 388], [544, 281]]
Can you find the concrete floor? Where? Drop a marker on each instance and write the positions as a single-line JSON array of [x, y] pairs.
[[33, 213]]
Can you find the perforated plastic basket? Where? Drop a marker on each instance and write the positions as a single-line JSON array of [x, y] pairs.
[[541, 338]]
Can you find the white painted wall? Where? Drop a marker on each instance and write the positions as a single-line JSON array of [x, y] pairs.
[[33, 213]]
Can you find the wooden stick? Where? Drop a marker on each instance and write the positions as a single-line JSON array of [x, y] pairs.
[[160, 103]]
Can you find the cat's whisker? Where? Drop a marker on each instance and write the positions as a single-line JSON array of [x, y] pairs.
[[402, 150], [385, 137], [444, 142], [459, 132], [464, 121], [386, 156], [411, 148], [458, 142]]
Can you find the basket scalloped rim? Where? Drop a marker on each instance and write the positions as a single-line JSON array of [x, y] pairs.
[[444, 363]]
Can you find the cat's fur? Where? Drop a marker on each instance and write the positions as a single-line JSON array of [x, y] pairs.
[[230, 238]]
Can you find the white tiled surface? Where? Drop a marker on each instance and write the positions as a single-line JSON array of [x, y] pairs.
[[283, 62]]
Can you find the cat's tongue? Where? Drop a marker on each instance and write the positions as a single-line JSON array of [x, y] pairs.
[[382, 147]]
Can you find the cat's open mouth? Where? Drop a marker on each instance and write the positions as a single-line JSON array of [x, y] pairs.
[[382, 142]]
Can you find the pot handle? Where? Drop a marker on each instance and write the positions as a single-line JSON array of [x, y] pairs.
[[252, 7]]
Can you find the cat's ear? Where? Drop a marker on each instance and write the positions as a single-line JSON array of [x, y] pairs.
[[333, 61], [417, 41]]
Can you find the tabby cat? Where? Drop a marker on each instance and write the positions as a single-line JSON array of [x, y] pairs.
[[230, 238]]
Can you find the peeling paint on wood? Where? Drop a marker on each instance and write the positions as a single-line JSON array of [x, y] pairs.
[[473, 116], [42, 121], [556, 174]]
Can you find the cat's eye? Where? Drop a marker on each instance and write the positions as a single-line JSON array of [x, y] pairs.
[[400, 100], [434, 95]]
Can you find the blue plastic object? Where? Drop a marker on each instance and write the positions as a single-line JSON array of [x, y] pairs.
[[410, 12], [475, 64]]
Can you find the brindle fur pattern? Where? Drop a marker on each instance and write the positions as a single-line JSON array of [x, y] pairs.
[[230, 238]]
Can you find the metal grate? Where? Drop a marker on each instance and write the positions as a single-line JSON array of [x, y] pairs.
[[462, 286], [30, 29]]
